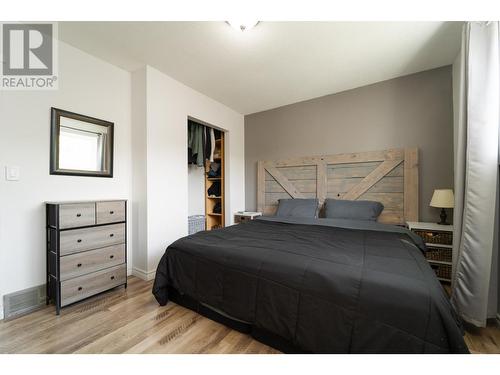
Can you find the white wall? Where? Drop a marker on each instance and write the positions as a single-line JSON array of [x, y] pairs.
[[196, 190], [139, 165], [169, 103], [88, 86]]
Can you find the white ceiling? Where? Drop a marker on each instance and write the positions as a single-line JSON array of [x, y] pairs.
[[274, 64]]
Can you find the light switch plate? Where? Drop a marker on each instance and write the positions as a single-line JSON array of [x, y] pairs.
[[12, 173]]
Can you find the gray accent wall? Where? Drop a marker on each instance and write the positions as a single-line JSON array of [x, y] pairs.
[[414, 110]]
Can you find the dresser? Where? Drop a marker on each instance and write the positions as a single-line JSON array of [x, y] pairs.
[[86, 249], [439, 241]]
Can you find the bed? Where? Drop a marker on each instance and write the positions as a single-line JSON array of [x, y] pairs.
[[319, 285]]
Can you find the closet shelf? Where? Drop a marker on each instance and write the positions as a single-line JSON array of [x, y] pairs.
[[215, 202]]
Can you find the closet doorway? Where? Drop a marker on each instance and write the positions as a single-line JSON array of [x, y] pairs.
[[206, 203]]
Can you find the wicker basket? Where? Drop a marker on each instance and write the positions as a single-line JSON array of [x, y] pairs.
[[443, 271], [442, 238], [196, 223], [438, 253]]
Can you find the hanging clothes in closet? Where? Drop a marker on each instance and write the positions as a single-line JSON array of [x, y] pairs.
[[195, 143], [212, 144], [207, 140], [201, 143]]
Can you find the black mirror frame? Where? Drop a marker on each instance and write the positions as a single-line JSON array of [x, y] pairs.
[[55, 115]]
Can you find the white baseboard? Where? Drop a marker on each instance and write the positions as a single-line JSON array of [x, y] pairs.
[[144, 275]]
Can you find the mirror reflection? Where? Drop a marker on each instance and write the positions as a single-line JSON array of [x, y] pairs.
[[81, 145]]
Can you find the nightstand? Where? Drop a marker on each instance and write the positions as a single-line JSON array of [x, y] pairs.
[[244, 216], [439, 241]]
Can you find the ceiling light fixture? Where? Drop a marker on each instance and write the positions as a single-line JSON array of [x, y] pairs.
[[242, 25]]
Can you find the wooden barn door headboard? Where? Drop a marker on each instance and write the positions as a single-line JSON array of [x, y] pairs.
[[387, 176]]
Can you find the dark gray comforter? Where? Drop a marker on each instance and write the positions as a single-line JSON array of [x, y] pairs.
[[323, 285]]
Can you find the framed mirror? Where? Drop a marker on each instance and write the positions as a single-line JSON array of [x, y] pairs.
[[80, 145]]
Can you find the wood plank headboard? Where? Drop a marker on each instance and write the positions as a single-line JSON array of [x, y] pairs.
[[387, 176]]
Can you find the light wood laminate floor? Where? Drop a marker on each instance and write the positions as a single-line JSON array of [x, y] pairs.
[[131, 321]]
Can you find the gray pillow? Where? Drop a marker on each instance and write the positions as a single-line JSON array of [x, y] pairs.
[[297, 208], [354, 210]]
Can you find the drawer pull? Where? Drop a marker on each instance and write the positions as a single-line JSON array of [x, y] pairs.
[[111, 256], [79, 265], [78, 215], [111, 235], [112, 277], [80, 288], [79, 240], [111, 212]]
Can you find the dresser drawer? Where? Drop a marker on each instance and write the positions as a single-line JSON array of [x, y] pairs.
[[85, 286], [77, 240], [243, 219], [76, 215], [435, 237], [442, 254], [110, 212], [90, 261], [443, 271]]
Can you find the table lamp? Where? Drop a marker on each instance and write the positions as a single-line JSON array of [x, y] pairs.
[[443, 198]]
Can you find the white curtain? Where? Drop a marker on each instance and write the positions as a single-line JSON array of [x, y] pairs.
[[476, 131]]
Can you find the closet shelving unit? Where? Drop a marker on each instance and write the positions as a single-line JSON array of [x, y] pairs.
[[215, 220]]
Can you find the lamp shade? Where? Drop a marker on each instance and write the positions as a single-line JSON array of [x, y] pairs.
[[443, 198]]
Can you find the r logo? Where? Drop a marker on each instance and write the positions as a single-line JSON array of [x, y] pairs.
[[27, 49]]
